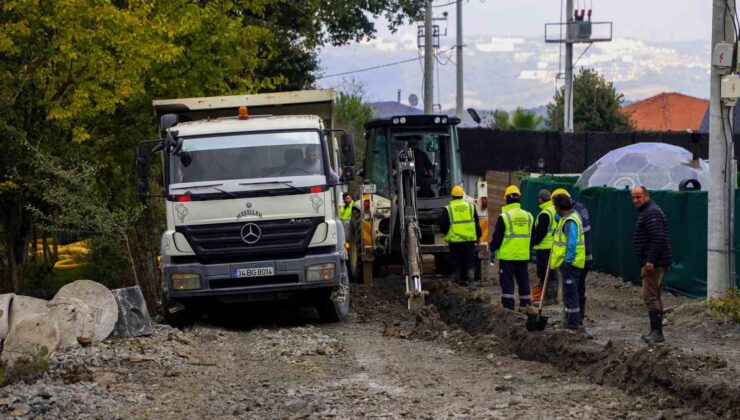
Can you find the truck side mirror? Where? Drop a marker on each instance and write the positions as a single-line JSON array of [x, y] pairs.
[[348, 174], [348, 149], [143, 170]]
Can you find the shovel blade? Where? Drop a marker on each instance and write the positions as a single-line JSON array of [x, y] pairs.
[[536, 323]]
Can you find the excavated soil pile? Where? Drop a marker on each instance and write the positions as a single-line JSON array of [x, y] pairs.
[[671, 377]]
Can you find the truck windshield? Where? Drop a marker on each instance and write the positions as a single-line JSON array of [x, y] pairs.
[[240, 160]]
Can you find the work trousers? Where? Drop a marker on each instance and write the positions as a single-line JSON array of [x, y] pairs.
[[572, 276], [509, 271], [652, 286], [463, 261], [551, 294], [582, 289]]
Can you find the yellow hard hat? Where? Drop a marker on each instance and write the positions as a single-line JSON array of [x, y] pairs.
[[457, 191], [561, 191], [512, 189]]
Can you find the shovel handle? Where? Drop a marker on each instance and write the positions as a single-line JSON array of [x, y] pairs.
[[544, 284]]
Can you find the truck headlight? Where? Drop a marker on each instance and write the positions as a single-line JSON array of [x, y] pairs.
[[186, 281], [320, 272]]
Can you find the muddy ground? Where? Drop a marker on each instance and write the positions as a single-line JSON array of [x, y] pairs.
[[461, 358]]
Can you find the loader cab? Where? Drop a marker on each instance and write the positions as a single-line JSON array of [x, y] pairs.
[[433, 138]]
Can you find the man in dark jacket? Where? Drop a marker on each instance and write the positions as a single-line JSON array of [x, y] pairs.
[[653, 251]]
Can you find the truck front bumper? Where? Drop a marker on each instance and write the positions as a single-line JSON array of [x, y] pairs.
[[218, 280]]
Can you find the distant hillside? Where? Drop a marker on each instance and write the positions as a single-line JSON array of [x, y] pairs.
[[505, 73]]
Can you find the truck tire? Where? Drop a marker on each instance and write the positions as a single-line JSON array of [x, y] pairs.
[[442, 264], [331, 310], [176, 314]]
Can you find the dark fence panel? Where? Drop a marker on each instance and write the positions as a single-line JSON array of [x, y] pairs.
[[487, 149]]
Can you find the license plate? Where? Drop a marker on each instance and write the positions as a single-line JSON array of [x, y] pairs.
[[253, 272]]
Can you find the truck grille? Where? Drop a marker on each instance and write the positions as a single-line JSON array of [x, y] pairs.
[[280, 239]]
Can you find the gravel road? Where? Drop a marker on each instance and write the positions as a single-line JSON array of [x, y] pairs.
[[272, 362]]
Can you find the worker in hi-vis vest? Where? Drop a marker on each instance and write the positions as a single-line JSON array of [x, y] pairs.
[[544, 227], [459, 223], [569, 255], [345, 211], [511, 245]]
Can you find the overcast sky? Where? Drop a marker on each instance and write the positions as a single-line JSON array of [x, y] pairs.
[[652, 20]]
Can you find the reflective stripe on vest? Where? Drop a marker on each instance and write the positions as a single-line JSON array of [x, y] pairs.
[[462, 222], [518, 224], [549, 209], [560, 243], [345, 212]]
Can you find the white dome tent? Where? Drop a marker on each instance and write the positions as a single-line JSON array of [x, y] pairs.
[[656, 166]]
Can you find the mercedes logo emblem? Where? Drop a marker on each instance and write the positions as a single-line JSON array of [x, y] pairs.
[[251, 233]]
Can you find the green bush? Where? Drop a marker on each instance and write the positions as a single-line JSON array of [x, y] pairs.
[[107, 263], [727, 308]]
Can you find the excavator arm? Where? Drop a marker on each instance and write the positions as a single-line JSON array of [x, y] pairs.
[[410, 233]]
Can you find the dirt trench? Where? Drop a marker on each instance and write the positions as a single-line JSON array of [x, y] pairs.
[[673, 378]]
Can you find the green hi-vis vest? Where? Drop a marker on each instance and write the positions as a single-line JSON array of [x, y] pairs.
[[518, 224], [560, 244], [462, 222], [548, 209], [345, 212]]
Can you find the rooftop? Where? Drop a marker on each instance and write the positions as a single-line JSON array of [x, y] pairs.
[[667, 112]]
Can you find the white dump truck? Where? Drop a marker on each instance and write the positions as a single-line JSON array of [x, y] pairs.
[[251, 185]]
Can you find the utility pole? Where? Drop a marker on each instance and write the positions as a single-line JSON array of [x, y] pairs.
[[428, 60], [568, 97], [722, 169], [459, 50]]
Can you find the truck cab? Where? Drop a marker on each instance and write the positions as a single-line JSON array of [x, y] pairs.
[[251, 201]]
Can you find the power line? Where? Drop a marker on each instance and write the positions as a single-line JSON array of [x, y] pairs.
[[395, 63]]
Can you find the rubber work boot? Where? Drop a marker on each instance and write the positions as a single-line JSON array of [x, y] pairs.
[[536, 294], [656, 328], [471, 277]]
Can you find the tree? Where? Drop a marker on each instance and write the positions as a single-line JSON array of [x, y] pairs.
[[596, 105], [351, 112], [500, 119], [525, 119]]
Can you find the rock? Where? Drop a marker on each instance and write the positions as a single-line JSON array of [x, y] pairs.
[[133, 316], [508, 377], [101, 302], [22, 307], [296, 405], [5, 301], [74, 319], [20, 410], [33, 338]]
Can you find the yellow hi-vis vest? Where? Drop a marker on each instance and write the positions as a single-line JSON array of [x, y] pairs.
[[518, 224], [547, 208], [462, 222], [345, 211], [560, 244]]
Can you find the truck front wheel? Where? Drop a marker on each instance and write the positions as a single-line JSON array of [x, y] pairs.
[[334, 307], [176, 314]]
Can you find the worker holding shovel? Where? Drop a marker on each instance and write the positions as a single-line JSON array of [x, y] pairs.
[[569, 255]]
